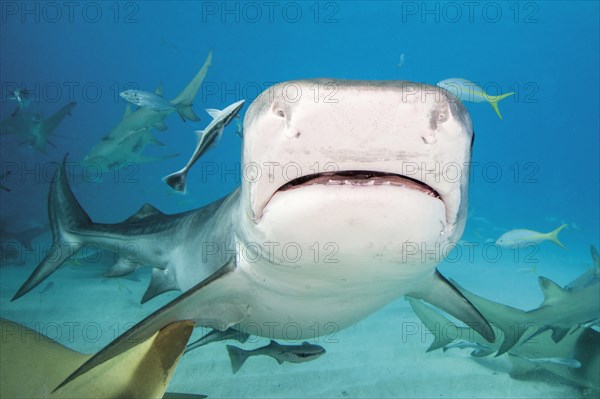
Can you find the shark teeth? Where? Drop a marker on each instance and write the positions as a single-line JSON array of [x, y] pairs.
[[360, 178]]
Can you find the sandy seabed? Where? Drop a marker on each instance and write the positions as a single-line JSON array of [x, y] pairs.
[[383, 356]]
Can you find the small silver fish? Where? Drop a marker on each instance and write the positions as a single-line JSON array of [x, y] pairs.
[[146, 99]]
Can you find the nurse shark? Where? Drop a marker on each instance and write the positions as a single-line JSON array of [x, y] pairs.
[[346, 204]]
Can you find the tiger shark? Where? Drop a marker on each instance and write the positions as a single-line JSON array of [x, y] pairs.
[[33, 128], [126, 141], [347, 202]]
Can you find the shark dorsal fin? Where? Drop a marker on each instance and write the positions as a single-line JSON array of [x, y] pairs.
[[127, 111], [159, 90], [552, 291], [213, 112], [145, 211], [162, 281]]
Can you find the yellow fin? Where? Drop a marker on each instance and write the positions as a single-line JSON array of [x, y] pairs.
[[553, 236], [493, 100]]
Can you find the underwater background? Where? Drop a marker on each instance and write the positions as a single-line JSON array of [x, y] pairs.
[[536, 168]]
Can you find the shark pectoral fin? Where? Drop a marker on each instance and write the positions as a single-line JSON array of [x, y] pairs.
[[200, 303], [435, 323], [441, 293], [162, 281]]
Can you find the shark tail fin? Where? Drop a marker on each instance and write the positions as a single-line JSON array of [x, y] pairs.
[[237, 356], [186, 112], [176, 180], [66, 217], [494, 100], [553, 236], [183, 102]]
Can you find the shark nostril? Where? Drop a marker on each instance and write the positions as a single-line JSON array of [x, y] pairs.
[[429, 139], [278, 110]]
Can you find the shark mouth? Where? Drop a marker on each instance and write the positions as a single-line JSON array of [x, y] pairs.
[[360, 178]]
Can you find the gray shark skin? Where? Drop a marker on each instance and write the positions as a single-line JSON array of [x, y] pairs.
[[385, 208], [126, 141], [282, 353], [32, 128], [206, 139]]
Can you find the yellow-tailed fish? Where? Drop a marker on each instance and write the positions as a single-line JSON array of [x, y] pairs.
[[466, 90], [522, 237]]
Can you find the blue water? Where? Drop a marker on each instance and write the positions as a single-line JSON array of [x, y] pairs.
[[536, 168]]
